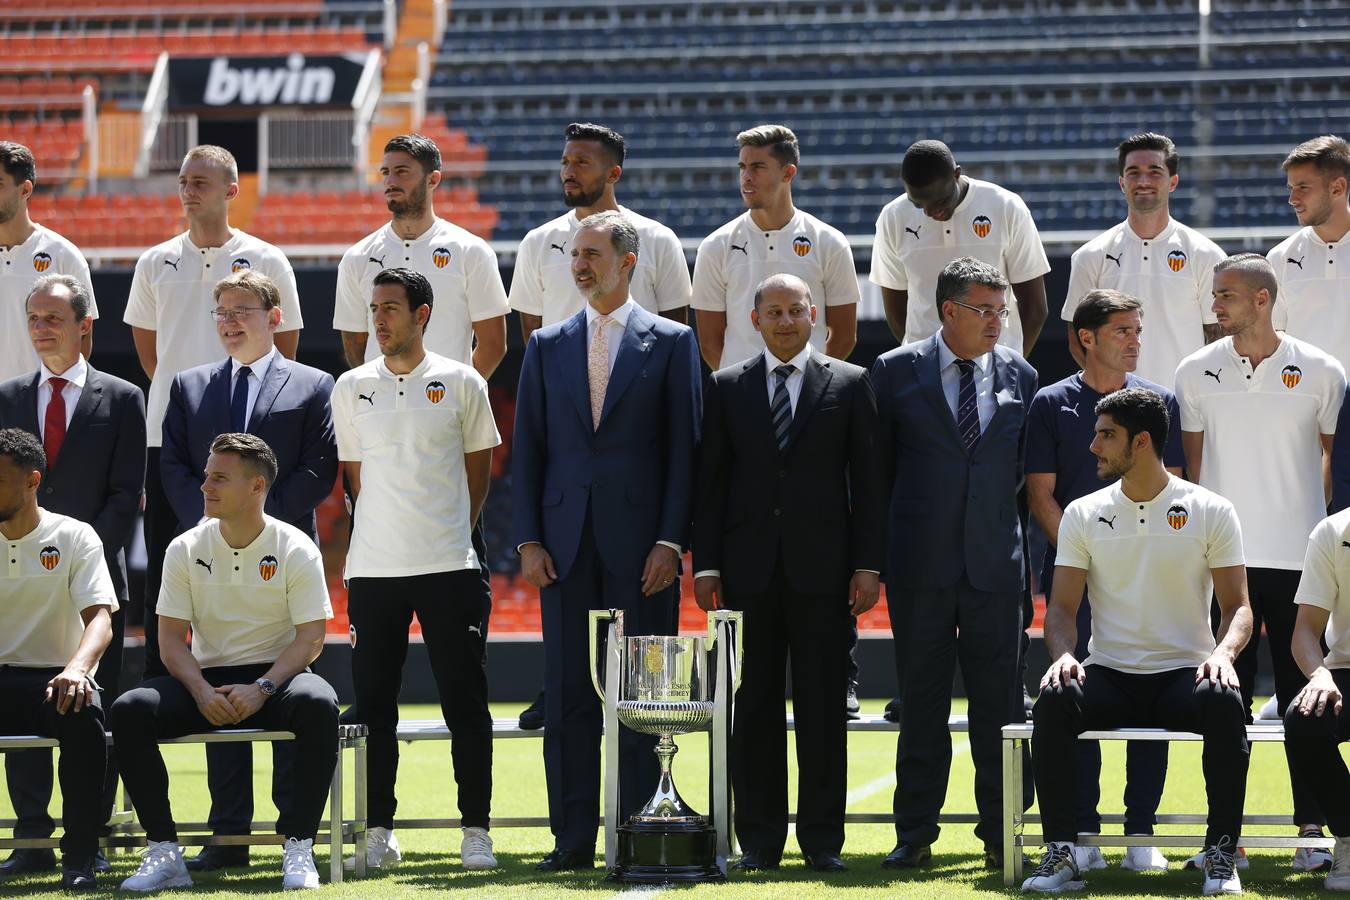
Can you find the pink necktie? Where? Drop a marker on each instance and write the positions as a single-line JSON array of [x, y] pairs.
[[598, 367], [54, 423]]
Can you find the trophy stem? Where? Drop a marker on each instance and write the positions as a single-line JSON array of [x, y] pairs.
[[666, 803]]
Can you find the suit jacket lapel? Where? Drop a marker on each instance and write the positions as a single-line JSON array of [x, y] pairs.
[[636, 342], [277, 377], [87, 405], [574, 374], [28, 407], [815, 380], [930, 381], [220, 385], [754, 400]]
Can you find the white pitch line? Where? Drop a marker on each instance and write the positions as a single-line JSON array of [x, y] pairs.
[[642, 893]]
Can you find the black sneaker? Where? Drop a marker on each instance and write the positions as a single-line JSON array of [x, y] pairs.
[[532, 717]]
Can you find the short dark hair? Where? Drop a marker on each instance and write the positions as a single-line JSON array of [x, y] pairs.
[[415, 287], [926, 162], [1098, 305], [961, 274], [79, 294], [419, 147], [622, 234], [1148, 140], [1254, 268], [17, 161], [1328, 153], [250, 282], [24, 450], [608, 138], [780, 140], [253, 450], [1138, 410]]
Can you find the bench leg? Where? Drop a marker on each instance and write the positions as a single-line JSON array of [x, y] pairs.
[[1012, 811], [361, 788], [335, 822]]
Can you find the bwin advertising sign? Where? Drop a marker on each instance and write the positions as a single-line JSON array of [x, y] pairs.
[[261, 81]]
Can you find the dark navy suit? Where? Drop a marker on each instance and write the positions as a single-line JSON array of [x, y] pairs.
[[598, 500], [954, 562]]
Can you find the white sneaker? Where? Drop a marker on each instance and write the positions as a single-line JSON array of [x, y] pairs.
[[1220, 869], [1270, 710], [297, 866], [1198, 861], [1338, 879], [1057, 872], [1088, 858], [1144, 859], [161, 867], [1311, 859], [381, 850], [475, 850]]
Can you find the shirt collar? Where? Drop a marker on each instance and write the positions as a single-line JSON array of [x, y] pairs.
[[426, 236], [798, 362], [946, 357], [259, 367], [75, 375], [382, 366], [1162, 235], [227, 247], [619, 315]]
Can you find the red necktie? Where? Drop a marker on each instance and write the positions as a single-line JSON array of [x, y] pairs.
[[54, 424]]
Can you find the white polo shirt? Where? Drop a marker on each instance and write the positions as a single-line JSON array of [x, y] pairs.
[[1326, 567], [1171, 275], [991, 224], [410, 433], [50, 575], [466, 285], [1313, 302], [542, 284], [1148, 572], [735, 258], [44, 253], [1263, 447], [172, 295], [243, 604]]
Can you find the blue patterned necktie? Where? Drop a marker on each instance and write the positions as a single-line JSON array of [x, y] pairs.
[[967, 409], [780, 411], [239, 401]]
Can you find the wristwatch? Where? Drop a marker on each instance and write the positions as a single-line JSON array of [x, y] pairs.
[[267, 686]]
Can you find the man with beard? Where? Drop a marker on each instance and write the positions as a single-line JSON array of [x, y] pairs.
[[1313, 292], [1152, 256], [1258, 414], [29, 251]]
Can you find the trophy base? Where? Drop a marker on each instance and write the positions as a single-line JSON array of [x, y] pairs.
[[667, 853]]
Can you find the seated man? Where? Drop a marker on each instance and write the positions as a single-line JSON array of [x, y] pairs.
[[1150, 549], [1317, 720], [55, 622], [252, 590]]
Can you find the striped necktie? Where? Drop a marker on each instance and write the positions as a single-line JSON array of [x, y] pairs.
[[967, 409], [780, 411]]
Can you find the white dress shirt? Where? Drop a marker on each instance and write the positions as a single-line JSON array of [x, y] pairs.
[[257, 374], [75, 377], [951, 381], [794, 381], [619, 321]]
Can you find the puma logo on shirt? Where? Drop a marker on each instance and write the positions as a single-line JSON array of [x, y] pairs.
[[369, 398], [207, 566], [1109, 523], [1214, 375]]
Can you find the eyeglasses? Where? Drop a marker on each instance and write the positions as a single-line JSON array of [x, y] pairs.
[[986, 312], [221, 314]]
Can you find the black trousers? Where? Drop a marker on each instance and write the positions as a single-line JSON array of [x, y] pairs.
[[573, 717], [1313, 743], [983, 631], [29, 773], [160, 528], [84, 752], [1272, 597], [452, 608], [163, 708], [812, 631], [1112, 699]]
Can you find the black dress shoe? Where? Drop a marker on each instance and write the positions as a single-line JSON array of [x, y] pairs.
[[892, 713], [101, 863], [908, 856], [28, 860], [993, 859], [561, 860], [754, 861], [851, 706], [212, 858], [79, 877], [825, 861], [532, 717]]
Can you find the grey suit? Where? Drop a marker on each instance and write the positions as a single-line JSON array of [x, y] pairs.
[[954, 575]]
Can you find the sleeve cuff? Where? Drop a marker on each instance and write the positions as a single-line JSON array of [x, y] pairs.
[[876, 572], [708, 573], [679, 551]]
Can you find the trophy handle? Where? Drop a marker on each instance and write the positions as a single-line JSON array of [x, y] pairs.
[[607, 619], [733, 619]]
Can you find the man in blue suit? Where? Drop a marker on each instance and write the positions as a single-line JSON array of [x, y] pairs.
[[259, 391], [607, 423], [953, 414]]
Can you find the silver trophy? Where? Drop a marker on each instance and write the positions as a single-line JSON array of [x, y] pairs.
[[667, 686]]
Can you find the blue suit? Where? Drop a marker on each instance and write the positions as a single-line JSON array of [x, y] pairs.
[[954, 562], [598, 500]]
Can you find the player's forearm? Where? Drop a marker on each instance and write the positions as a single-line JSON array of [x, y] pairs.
[[178, 659], [1235, 629], [1047, 514], [1306, 648], [354, 347], [1061, 632], [95, 639], [298, 654], [490, 347]]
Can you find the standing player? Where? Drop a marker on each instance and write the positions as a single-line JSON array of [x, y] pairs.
[[470, 322], [416, 434], [772, 237], [29, 251], [1313, 302], [170, 314], [1258, 413], [1152, 256], [944, 215], [542, 290]]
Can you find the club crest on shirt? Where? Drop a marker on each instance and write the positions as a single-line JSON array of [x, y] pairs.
[[441, 257], [1177, 516], [42, 261], [435, 391], [1291, 376], [1176, 260], [240, 265], [981, 225], [801, 245], [267, 567], [50, 557]]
